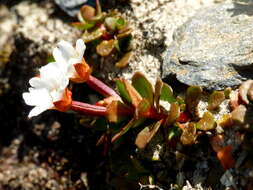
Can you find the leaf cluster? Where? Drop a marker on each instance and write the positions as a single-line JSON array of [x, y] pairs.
[[106, 33], [150, 108]]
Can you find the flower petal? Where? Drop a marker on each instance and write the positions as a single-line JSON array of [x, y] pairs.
[[66, 49], [36, 82], [80, 48], [38, 97], [36, 111]]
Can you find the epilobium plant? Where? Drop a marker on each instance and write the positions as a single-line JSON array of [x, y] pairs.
[[136, 104]]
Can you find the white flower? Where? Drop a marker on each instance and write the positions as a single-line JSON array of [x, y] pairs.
[[48, 88], [68, 56]]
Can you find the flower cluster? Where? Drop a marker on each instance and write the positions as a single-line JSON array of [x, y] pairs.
[[49, 89]]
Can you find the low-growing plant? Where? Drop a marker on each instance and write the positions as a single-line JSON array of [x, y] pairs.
[[135, 104], [106, 33]]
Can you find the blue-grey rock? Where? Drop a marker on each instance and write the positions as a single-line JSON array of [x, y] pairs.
[[71, 7], [214, 49]]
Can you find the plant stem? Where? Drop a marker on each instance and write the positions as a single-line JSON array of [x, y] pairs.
[[88, 109], [101, 87], [153, 114]]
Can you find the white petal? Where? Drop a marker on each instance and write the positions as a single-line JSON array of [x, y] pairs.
[[66, 49], [59, 57], [71, 73], [80, 48], [36, 111], [57, 95], [50, 70], [37, 82], [38, 97]]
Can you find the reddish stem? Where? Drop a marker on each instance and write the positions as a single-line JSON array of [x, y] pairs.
[[88, 109], [101, 87], [153, 114]]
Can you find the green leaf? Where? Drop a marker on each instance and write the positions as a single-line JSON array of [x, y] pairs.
[[167, 94], [193, 95], [120, 23], [207, 122], [84, 25], [142, 107], [174, 132], [143, 86], [123, 91], [215, 99], [125, 43]]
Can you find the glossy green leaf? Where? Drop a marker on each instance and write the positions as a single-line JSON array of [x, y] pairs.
[[215, 99], [120, 23], [84, 25], [174, 132], [125, 44], [167, 94], [142, 107], [143, 86], [123, 91], [207, 122], [193, 95], [128, 92]]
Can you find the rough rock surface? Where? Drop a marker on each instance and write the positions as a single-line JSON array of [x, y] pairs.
[[214, 49], [70, 7]]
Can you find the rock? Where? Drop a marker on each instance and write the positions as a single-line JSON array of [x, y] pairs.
[[70, 7], [214, 49]]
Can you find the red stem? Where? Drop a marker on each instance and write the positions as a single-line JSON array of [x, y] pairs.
[[101, 87], [153, 114], [88, 109]]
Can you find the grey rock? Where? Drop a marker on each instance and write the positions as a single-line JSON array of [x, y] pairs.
[[70, 7], [214, 49]]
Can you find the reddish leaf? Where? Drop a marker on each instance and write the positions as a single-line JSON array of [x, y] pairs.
[[117, 111], [145, 136], [226, 158], [183, 117]]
